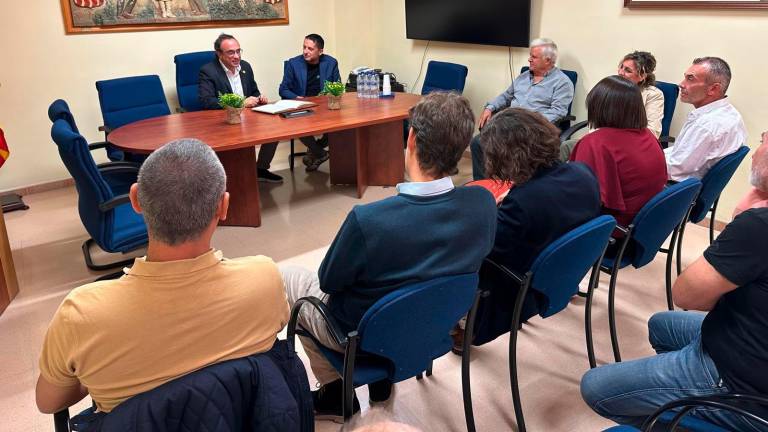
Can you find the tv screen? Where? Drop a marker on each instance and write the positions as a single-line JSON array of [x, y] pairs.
[[487, 22]]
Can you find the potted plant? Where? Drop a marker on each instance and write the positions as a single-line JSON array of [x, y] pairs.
[[334, 90], [233, 105]]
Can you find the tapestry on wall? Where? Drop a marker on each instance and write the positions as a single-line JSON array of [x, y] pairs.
[[82, 16]]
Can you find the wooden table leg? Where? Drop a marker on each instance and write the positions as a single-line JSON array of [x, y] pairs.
[[371, 155], [243, 187]]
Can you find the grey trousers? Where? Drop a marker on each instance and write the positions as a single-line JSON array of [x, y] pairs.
[[300, 282]]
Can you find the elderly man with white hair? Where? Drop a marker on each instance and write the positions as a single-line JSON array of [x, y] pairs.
[[758, 195], [543, 88]]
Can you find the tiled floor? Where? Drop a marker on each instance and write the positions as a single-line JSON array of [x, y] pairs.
[[299, 220]]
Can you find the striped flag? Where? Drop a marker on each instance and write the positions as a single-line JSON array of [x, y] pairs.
[[88, 3], [4, 152]]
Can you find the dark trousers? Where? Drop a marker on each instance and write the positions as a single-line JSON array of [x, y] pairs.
[[478, 159], [266, 153]]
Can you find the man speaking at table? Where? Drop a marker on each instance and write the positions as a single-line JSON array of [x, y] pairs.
[[228, 73]]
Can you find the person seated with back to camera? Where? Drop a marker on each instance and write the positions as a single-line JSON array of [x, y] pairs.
[[638, 67], [622, 151], [548, 199], [304, 76], [428, 230], [758, 194]]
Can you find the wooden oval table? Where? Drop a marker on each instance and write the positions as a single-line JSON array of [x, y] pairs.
[[365, 140]]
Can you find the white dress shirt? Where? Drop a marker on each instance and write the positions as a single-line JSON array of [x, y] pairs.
[[429, 188], [234, 79], [710, 133]]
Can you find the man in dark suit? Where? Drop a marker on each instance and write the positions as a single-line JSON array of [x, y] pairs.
[[304, 75], [230, 74]]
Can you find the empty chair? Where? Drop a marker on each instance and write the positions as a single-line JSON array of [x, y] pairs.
[[444, 76], [127, 100], [267, 391], [187, 71], [399, 336], [108, 217], [643, 238], [555, 275]]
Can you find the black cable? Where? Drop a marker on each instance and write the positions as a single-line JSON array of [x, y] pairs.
[[421, 68]]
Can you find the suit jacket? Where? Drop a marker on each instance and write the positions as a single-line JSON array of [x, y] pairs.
[[295, 75], [213, 80]]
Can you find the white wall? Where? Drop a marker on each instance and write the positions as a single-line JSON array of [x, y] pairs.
[[593, 35], [41, 64]]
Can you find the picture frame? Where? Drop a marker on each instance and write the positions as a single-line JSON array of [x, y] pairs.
[[109, 16], [697, 4]]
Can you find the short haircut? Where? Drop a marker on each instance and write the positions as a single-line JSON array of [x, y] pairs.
[[548, 48], [180, 187], [645, 63], [222, 37], [759, 174], [442, 123], [518, 142], [317, 39], [616, 102], [718, 71]]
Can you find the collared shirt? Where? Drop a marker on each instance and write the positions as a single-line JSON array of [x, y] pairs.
[[234, 79], [549, 97], [710, 133], [430, 188]]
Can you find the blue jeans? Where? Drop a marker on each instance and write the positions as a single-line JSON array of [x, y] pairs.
[[630, 391]]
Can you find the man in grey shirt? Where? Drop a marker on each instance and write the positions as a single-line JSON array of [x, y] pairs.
[[543, 88]]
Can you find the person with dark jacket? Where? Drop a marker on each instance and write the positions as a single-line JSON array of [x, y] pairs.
[[228, 73]]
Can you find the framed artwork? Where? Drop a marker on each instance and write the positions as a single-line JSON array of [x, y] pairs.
[[95, 16], [696, 4]]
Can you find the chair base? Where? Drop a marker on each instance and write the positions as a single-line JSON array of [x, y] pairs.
[[294, 155], [12, 202], [99, 267]]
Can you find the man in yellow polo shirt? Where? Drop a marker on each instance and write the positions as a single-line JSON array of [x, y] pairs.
[[177, 310]]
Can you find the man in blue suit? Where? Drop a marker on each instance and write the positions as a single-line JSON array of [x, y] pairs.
[[303, 76]]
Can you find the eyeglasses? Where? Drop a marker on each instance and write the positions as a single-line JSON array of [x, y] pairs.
[[230, 53]]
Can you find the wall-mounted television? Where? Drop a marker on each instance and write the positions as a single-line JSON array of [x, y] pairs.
[[487, 22]]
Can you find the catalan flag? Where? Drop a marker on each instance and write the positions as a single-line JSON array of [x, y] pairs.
[[4, 152]]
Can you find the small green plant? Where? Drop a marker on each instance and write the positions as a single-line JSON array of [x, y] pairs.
[[335, 88], [230, 100]]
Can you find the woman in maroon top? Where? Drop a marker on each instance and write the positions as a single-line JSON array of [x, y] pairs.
[[624, 155]]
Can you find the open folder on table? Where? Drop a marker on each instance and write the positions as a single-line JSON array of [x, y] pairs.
[[282, 106]]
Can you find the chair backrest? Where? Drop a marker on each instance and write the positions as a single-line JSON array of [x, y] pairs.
[[670, 92], [59, 109], [410, 326], [574, 77], [714, 181], [126, 100], [187, 72], [658, 217], [444, 76], [92, 190], [560, 267]]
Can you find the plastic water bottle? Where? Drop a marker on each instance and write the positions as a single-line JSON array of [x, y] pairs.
[[368, 85], [376, 93], [359, 86]]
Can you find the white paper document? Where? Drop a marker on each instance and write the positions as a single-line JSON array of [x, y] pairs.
[[281, 106]]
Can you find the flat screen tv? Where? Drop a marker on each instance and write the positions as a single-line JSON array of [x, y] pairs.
[[487, 22]]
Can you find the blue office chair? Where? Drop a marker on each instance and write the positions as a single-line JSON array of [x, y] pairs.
[[119, 181], [675, 414], [127, 100], [399, 336], [670, 92], [565, 123], [643, 238], [187, 73], [266, 391], [444, 76], [555, 275], [108, 218]]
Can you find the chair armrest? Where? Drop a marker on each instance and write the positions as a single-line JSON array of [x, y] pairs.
[[572, 130], [624, 230], [667, 139], [61, 420], [97, 145], [724, 402], [118, 167], [509, 273], [333, 326], [114, 202], [180, 110]]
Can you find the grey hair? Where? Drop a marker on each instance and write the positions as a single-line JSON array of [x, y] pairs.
[[548, 48], [758, 176], [180, 187], [718, 71]]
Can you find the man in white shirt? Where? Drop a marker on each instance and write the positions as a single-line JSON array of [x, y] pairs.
[[714, 129]]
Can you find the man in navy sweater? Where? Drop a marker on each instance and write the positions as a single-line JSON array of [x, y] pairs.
[[429, 229]]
